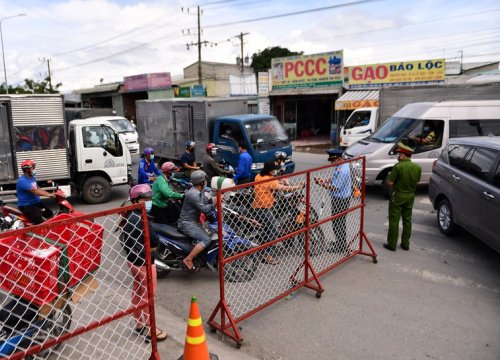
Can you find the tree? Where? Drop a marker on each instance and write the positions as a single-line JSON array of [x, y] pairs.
[[33, 87], [261, 61]]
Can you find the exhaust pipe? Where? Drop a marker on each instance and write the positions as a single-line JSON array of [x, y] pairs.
[[161, 265]]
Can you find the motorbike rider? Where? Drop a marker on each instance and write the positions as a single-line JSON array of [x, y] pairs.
[[133, 245], [188, 161], [163, 210], [264, 201], [195, 203], [280, 159], [210, 166], [147, 168], [28, 194]]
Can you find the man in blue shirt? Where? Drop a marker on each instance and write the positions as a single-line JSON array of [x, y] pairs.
[[340, 187], [148, 172], [187, 159], [28, 195], [244, 165]]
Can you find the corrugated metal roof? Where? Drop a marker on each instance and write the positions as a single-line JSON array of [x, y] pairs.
[[357, 99]]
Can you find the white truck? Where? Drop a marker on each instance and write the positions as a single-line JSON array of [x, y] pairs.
[[361, 123], [87, 156]]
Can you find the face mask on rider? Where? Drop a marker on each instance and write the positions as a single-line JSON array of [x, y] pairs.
[[426, 128], [151, 157], [33, 172], [148, 205], [213, 152]]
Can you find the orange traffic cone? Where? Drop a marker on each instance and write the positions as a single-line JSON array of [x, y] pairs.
[[195, 347]]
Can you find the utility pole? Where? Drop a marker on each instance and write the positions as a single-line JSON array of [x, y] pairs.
[[240, 36], [49, 76], [199, 43]]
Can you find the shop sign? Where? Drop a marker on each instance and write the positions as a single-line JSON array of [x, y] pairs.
[[355, 104], [398, 73], [307, 70], [264, 106], [183, 92], [198, 90], [146, 82], [263, 86]]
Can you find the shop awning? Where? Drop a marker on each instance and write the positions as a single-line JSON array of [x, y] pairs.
[[357, 99]]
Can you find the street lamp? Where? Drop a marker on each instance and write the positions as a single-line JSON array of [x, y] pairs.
[[3, 54]]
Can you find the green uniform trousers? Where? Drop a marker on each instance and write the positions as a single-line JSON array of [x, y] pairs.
[[400, 205]]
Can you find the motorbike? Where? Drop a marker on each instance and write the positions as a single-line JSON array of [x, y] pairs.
[[23, 326], [12, 218], [174, 246]]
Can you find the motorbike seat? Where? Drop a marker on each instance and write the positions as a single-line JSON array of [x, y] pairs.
[[171, 232]]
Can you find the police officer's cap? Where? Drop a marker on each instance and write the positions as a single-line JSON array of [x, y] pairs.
[[405, 149], [334, 153]]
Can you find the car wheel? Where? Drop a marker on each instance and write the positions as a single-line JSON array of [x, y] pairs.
[[445, 218]]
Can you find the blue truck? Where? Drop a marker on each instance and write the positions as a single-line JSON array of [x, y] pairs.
[[166, 125]]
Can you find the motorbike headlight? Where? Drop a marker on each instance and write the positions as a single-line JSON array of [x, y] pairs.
[[289, 159], [257, 166]]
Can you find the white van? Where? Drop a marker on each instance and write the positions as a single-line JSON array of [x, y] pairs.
[[450, 119], [361, 123], [125, 129]]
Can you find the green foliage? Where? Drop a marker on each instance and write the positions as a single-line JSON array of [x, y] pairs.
[[33, 87], [261, 61]]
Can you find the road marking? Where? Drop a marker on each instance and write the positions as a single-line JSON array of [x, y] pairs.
[[445, 279]]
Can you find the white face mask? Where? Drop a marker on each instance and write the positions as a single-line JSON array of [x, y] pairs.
[[214, 151], [33, 172], [151, 157], [148, 205]]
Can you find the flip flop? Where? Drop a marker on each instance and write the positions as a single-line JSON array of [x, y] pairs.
[[193, 269], [162, 336]]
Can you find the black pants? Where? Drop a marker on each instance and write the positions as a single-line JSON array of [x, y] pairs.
[[244, 180], [36, 212], [167, 215], [339, 227]]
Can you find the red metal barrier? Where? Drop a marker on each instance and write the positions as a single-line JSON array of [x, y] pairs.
[[91, 269], [294, 239]]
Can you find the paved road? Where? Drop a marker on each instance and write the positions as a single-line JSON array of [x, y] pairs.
[[440, 300]]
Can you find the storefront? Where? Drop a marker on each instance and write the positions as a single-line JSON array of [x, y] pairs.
[[304, 90]]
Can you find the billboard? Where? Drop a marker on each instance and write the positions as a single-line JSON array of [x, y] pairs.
[[300, 71], [421, 72], [263, 83], [146, 82]]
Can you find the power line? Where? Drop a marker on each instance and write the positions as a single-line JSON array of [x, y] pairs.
[[292, 13]]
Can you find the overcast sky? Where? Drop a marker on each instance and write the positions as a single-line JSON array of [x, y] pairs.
[[90, 40]]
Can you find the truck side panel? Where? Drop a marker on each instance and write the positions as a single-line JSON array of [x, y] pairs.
[[7, 171], [394, 98], [38, 132]]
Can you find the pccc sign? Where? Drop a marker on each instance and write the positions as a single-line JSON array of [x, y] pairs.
[[307, 70]]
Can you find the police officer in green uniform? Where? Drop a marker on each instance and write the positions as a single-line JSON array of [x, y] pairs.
[[403, 181]]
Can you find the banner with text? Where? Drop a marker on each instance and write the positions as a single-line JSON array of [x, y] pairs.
[[316, 70], [398, 73]]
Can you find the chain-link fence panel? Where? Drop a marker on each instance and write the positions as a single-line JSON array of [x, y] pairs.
[[78, 288], [290, 230]]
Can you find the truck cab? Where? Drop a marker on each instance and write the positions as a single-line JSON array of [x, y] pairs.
[[262, 134], [360, 124], [99, 158]]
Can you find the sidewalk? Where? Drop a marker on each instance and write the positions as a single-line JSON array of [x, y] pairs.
[[173, 347], [314, 144]]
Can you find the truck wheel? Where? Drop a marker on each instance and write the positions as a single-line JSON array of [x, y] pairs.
[[96, 190]]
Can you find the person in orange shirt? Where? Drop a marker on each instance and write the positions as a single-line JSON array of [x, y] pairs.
[[264, 201]]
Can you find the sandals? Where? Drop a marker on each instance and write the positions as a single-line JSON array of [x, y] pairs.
[[161, 335], [192, 270]]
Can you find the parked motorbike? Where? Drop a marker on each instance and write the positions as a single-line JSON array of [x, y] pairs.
[[12, 218], [174, 246]]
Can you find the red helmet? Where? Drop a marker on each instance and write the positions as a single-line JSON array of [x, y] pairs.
[[27, 164], [210, 147]]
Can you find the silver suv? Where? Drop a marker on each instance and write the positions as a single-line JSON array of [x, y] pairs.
[[464, 188]]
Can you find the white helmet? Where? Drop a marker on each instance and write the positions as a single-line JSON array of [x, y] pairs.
[[221, 183]]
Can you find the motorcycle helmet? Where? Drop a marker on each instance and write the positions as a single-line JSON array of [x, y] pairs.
[[27, 164], [221, 183], [168, 166], [211, 148], [190, 144], [198, 177], [148, 151], [141, 191]]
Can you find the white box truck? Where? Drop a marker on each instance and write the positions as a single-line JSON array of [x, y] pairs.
[[86, 154]]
